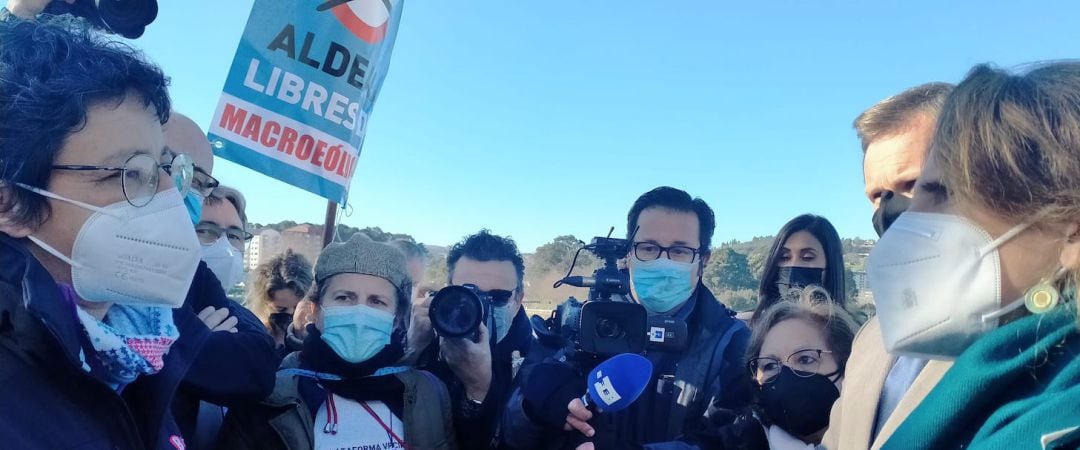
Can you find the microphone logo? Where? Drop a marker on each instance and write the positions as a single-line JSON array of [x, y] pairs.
[[605, 390]]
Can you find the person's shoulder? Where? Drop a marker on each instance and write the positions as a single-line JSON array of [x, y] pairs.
[[869, 335]]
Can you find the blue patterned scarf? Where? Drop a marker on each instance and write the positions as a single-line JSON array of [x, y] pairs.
[[130, 341]]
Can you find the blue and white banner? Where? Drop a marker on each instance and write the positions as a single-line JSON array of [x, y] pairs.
[[301, 89]]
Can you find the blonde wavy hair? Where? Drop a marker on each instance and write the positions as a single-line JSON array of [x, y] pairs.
[[287, 270], [1010, 143]]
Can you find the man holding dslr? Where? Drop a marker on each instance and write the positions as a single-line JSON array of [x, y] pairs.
[[477, 364], [691, 385]]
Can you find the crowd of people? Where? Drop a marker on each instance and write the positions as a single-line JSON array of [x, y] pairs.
[[117, 247]]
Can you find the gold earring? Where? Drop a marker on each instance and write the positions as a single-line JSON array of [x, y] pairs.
[[1044, 296]]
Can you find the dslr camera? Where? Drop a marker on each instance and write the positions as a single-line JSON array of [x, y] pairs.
[[128, 18], [608, 323], [458, 311]]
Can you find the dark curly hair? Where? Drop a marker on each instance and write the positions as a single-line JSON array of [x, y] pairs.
[[51, 71], [484, 246]]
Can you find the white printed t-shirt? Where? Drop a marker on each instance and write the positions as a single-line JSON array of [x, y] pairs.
[[357, 429]]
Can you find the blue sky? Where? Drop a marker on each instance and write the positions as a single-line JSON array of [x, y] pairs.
[[542, 118]]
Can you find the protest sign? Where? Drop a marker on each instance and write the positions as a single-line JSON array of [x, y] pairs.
[[301, 89]]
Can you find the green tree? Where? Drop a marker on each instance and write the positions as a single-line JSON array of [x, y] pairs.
[[558, 254], [437, 273], [728, 270], [852, 291], [739, 301]]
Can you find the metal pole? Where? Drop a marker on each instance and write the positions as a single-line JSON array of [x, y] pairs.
[[329, 223]]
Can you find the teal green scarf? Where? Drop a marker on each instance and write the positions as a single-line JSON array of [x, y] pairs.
[[1014, 386]]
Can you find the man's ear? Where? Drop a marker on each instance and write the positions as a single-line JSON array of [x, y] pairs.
[[8, 224], [1070, 252], [704, 262]]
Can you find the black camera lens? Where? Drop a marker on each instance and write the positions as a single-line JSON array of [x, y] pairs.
[[127, 18], [456, 311], [609, 329]]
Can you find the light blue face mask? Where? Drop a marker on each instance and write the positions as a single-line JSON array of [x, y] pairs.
[[661, 285], [500, 315], [194, 203], [356, 333]]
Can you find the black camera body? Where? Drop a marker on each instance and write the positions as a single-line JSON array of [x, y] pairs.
[[458, 311], [127, 18], [608, 323]]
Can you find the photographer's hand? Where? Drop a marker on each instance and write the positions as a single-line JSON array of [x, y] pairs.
[[28, 9], [420, 334], [471, 363]]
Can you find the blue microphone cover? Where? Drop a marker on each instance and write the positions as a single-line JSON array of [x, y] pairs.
[[616, 383]]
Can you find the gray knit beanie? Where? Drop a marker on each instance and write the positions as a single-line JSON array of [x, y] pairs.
[[363, 256]]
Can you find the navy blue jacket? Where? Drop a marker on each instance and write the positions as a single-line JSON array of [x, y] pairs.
[[230, 368], [709, 384], [47, 401], [477, 426]]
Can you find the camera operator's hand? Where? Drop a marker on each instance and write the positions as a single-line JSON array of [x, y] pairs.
[[420, 333], [586, 446], [28, 9], [471, 363], [303, 315], [578, 418]]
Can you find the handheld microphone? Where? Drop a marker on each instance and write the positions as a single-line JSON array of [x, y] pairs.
[[617, 383]]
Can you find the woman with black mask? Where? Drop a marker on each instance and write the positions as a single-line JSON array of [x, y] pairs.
[[796, 357], [277, 287], [347, 387], [807, 251]]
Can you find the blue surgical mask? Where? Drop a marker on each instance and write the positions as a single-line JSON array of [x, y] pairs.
[[356, 333], [194, 203], [661, 285], [500, 315]]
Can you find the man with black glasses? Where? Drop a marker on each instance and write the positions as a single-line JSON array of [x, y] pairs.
[[693, 387], [237, 360]]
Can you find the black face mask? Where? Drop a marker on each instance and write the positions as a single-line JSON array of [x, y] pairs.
[[799, 405], [797, 277], [281, 320], [892, 206]]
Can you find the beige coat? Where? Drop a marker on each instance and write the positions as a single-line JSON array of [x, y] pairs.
[[851, 423]]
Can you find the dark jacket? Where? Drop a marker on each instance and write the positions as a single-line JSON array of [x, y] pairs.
[[705, 383], [230, 368], [47, 400], [478, 425], [284, 419]]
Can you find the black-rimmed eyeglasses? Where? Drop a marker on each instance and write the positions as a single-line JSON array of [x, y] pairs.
[[647, 251]]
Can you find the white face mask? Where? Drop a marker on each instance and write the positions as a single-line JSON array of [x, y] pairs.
[[936, 280], [132, 255], [225, 261]]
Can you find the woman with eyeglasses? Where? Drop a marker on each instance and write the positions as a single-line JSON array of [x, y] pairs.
[[806, 252], [96, 249], [796, 359]]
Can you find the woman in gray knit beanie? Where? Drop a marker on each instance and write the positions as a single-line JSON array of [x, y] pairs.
[[348, 388]]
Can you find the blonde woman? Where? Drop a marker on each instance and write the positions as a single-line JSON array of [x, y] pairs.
[[982, 269], [277, 286]]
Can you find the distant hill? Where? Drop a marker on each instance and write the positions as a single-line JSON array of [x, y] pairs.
[[733, 273]]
